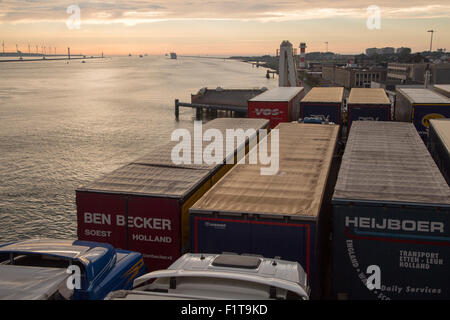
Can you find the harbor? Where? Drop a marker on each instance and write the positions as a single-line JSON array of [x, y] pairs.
[[196, 151], [92, 119], [200, 215]]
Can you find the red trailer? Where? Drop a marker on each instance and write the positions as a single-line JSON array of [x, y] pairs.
[[144, 206], [279, 104]]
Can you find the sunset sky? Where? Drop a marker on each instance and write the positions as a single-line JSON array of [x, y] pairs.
[[221, 27]]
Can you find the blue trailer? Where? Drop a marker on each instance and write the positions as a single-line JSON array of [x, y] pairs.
[[391, 217], [286, 214], [323, 102], [41, 268], [368, 104], [419, 106]]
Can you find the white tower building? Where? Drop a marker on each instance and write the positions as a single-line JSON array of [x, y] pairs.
[[287, 71]]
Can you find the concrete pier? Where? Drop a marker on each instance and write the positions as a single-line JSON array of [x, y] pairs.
[[209, 108]]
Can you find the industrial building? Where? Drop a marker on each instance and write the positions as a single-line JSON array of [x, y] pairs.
[[353, 77], [415, 72], [386, 50]]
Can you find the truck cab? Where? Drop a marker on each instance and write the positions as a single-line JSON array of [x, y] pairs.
[[221, 276]]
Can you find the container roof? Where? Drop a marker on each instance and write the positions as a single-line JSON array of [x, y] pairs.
[[423, 95], [149, 180], [278, 94], [443, 87], [368, 96], [325, 94], [305, 155], [155, 174], [442, 127], [388, 162], [162, 155]]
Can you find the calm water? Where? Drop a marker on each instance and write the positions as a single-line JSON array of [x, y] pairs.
[[62, 125]]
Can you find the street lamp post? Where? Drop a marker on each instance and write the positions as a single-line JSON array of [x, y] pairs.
[[431, 42]]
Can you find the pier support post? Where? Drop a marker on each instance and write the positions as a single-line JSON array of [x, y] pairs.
[[177, 109]]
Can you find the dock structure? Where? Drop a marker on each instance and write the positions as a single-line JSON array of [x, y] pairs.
[[222, 99], [199, 107], [273, 72]]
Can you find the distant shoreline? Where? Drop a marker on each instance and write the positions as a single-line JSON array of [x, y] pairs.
[[50, 59]]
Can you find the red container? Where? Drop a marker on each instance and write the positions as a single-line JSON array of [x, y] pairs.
[[141, 208], [281, 104], [144, 206]]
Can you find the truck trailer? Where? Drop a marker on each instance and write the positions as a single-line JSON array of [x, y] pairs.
[[280, 104], [143, 206], [391, 217], [323, 102], [368, 104], [286, 214], [439, 145], [419, 105]]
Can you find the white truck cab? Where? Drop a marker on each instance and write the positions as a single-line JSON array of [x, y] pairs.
[[221, 276]]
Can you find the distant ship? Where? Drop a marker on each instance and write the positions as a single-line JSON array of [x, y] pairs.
[[173, 55], [129, 54], [140, 56]]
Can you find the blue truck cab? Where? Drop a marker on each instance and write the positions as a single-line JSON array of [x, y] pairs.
[[102, 267]]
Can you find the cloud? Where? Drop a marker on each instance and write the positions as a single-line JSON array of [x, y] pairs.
[[142, 11]]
